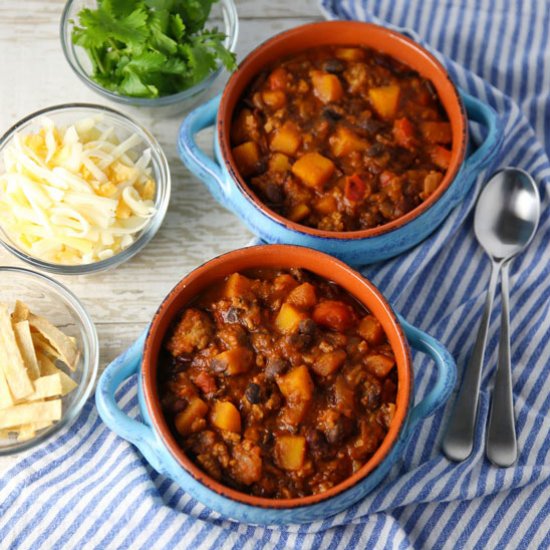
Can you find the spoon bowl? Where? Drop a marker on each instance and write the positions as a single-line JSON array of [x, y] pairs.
[[507, 213]]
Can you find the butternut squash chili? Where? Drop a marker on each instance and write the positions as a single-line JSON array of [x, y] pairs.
[[278, 383], [341, 139]]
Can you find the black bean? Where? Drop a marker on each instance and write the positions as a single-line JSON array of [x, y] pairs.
[[375, 150], [307, 326], [334, 66], [371, 125], [341, 429], [253, 393], [332, 115], [316, 439], [275, 366]]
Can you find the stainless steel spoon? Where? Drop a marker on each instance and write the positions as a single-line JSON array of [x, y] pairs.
[[506, 218]]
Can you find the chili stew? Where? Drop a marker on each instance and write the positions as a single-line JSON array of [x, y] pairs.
[[277, 383], [341, 138]]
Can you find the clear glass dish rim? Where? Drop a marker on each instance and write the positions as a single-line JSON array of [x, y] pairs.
[[91, 365], [68, 51], [163, 188]]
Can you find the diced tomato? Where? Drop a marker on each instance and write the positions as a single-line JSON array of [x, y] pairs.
[[333, 314], [205, 382], [278, 79], [403, 132], [355, 188], [440, 156]]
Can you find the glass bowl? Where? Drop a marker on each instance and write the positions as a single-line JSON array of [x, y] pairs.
[[223, 15], [63, 115], [46, 297]]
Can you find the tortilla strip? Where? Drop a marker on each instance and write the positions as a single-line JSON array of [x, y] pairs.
[[26, 431], [65, 347], [6, 399], [11, 360], [46, 386], [21, 312], [41, 344], [26, 347], [47, 366], [31, 412], [67, 383]]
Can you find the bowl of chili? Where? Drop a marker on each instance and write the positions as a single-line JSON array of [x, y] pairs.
[[275, 385], [342, 136]]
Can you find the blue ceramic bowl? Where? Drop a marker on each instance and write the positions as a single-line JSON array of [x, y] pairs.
[[357, 247], [153, 438]]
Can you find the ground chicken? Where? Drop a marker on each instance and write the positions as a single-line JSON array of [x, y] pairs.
[[192, 333]]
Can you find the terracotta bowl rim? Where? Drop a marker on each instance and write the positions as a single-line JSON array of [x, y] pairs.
[[160, 425], [393, 225]]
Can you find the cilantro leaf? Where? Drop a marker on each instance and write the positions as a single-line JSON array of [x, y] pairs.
[[101, 26], [149, 48]]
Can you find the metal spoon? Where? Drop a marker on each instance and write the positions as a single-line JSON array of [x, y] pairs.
[[506, 218]]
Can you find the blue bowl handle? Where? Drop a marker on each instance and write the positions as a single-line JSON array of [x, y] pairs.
[[481, 158], [198, 162], [446, 374], [141, 435]]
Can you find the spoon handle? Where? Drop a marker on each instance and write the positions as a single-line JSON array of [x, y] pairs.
[[459, 439], [501, 446]]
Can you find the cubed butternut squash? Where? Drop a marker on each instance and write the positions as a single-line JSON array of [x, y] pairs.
[[299, 212], [313, 169], [334, 315], [226, 416], [329, 362], [274, 98], [350, 54], [431, 183], [278, 162], [380, 365], [186, 420], [440, 156], [233, 361], [303, 296], [326, 205], [385, 100], [345, 141], [296, 385], [290, 452], [237, 286], [326, 87], [247, 157], [288, 319], [287, 139], [436, 132], [371, 330]]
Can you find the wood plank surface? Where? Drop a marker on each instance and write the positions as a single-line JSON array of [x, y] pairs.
[[34, 75]]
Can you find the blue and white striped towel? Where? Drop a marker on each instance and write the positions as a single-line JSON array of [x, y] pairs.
[[90, 489]]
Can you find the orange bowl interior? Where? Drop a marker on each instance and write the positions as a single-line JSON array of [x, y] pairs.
[[278, 256], [349, 33]]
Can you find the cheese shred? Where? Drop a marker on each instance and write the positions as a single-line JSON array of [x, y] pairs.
[[75, 195]]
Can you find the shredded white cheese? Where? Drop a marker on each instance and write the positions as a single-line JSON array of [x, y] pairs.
[[75, 195]]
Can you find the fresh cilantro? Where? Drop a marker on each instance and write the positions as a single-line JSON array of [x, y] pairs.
[[150, 48]]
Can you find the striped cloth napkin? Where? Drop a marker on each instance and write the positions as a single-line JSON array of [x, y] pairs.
[[90, 489]]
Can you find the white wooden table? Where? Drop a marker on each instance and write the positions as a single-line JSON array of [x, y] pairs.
[[34, 75]]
